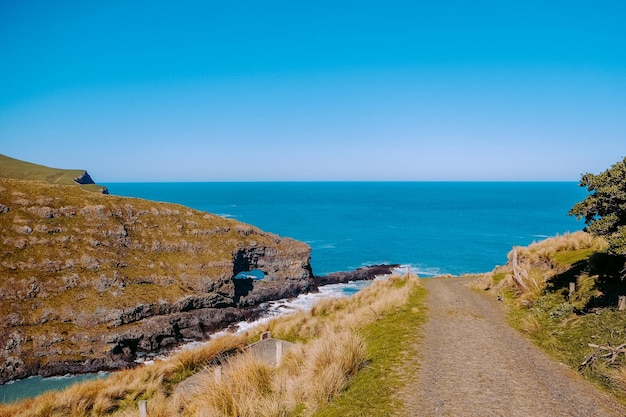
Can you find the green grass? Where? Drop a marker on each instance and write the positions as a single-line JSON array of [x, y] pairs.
[[497, 278], [570, 257], [16, 169], [390, 345]]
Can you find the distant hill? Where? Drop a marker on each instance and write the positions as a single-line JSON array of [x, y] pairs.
[[21, 170]]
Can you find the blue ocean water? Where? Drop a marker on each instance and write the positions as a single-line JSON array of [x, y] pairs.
[[435, 227]]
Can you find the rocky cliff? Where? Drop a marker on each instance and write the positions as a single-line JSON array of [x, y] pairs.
[[89, 280]]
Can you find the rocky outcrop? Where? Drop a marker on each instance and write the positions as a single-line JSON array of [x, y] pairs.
[[359, 274], [85, 179], [89, 280]]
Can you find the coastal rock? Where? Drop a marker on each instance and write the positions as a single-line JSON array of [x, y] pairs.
[[359, 274], [89, 280]]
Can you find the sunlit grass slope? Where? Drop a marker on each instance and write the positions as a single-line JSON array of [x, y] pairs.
[[21, 170]]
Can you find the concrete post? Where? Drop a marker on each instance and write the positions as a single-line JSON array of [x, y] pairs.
[[143, 408], [279, 352]]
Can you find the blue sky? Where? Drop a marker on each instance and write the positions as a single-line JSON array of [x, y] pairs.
[[238, 91]]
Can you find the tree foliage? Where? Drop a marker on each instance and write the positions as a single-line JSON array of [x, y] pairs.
[[604, 209]]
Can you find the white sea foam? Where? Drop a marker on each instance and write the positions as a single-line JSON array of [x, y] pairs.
[[227, 215], [286, 306], [417, 269], [327, 246]]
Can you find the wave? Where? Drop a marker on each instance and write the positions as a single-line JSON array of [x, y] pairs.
[[227, 215], [420, 270], [287, 306]]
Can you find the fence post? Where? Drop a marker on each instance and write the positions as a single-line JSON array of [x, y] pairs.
[[279, 352], [621, 302], [572, 288], [143, 408]]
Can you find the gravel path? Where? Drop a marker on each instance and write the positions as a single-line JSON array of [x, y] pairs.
[[473, 364]]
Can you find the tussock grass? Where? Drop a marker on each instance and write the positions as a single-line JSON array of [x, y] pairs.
[[529, 269], [121, 390], [618, 378], [390, 345], [343, 348], [530, 324]]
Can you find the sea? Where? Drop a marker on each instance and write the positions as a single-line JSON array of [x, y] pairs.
[[431, 228]]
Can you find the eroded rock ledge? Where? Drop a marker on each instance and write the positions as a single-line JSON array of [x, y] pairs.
[[359, 274]]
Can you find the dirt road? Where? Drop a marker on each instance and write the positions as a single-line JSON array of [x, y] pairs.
[[474, 365]]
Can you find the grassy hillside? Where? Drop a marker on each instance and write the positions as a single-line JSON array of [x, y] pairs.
[[91, 279], [583, 328], [341, 349], [16, 169]]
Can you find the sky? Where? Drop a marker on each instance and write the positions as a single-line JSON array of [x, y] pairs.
[[136, 91]]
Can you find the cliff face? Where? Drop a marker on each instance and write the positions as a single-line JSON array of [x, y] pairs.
[[89, 280]]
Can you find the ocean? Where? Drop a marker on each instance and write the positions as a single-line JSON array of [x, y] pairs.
[[432, 227], [435, 227]]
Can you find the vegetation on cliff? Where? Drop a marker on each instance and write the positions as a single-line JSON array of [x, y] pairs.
[[21, 170], [88, 280], [344, 349]]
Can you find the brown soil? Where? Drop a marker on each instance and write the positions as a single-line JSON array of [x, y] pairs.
[[473, 364]]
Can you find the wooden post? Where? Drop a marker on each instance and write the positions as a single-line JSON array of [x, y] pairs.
[[621, 302], [279, 352], [143, 408], [572, 288], [218, 374]]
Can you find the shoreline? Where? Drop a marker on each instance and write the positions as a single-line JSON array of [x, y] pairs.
[[249, 315]]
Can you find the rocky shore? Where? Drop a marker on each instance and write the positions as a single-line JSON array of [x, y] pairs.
[[359, 274]]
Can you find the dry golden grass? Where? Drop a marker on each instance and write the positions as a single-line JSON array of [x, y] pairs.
[[362, 309], [618, 376], [311, 373], [530, 324], [529, 268], [124, 388]]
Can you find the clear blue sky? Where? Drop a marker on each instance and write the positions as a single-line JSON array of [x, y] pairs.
[[323, 90]]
